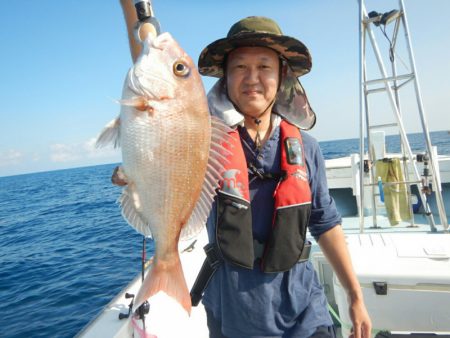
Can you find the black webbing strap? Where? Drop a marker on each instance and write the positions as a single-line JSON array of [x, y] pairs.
[[209, 267], [253, 171], [212, 263]]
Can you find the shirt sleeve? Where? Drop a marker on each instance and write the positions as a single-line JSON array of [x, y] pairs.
[[324, 214]]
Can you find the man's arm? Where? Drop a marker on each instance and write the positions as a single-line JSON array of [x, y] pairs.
[[333, 245], [129, 12]]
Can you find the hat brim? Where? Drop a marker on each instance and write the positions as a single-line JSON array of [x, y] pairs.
[[211, 59]]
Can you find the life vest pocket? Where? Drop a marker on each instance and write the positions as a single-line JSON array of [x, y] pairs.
[[287, 239], [234, 235]]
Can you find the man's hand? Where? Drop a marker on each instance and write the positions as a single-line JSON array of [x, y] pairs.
[[359, 316], [335, 249], [118, 177]]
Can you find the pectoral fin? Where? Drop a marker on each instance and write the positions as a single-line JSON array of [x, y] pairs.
[[140, 103], [110, 134]]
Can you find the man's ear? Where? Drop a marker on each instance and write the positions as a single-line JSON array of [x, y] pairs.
[[284, 69], [283, 72]]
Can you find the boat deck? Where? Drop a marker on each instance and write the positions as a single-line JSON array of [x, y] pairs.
[[166, 316], [351, 225]]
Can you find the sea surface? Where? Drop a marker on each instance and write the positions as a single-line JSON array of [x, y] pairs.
[[65, 250]]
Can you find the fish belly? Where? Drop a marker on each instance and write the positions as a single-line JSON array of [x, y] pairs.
[[165, 159]]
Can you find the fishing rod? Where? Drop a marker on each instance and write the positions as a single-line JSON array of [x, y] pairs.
[[145, 15]]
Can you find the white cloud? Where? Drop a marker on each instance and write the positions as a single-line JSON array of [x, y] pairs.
[[36, 157], [81, 151], [64, 152], [10, 157]]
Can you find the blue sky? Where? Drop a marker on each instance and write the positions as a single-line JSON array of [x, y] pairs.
[[63, 63]]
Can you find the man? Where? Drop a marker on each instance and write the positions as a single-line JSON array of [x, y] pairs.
[[265, 286]]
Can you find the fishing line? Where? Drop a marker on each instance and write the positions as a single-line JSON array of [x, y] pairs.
[[143, 257]]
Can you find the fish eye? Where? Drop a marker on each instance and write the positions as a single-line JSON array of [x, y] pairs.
[[180, 68]]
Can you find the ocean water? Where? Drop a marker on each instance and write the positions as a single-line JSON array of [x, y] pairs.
[[65, 250]]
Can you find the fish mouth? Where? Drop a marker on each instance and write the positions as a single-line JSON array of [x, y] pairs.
[[162, 41]]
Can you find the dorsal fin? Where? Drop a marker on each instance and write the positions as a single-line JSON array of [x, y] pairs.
[[217, 158]]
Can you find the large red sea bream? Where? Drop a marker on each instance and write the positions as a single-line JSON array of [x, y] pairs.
[[171, 158]]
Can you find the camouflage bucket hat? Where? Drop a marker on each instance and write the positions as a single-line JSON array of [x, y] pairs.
[[255, 31]]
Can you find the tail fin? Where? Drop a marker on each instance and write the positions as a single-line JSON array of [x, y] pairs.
[[165, 276]]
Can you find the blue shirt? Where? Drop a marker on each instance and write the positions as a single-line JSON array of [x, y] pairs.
[[250, 303]]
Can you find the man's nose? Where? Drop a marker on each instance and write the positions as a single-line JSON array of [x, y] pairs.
[[252, 75]]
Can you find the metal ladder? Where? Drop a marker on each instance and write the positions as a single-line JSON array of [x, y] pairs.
[[391, 84]]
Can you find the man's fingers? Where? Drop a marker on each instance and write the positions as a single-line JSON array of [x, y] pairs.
[[361, 331], [118, 177], [357, 331], [367, 330]]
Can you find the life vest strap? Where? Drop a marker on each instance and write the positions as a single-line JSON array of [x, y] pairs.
[[253, 171], [209, 267], [213, 260]]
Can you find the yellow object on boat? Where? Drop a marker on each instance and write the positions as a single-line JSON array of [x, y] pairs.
[[395, 194]]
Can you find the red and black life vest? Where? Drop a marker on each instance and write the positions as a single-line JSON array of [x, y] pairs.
[[292, 202]]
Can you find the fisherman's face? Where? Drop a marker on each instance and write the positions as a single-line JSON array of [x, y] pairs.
[[252, 78]]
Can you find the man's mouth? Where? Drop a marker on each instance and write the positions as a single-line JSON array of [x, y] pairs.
[[251, 92]]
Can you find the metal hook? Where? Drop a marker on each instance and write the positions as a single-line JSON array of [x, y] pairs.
[[151, 20]]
